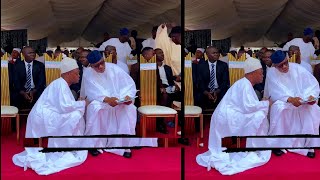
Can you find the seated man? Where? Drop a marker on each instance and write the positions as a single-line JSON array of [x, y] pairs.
[[29, 80], [56, 113], [111, 50], [288, 85], [165, 87], [266, 64], [213, 79], [147, 53], [239, 113], [296, 50], [105, 84], [83, 64]]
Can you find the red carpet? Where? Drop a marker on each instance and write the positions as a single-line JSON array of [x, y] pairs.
[[289, 166], [146, 163]]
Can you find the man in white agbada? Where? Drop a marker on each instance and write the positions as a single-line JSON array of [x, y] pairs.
[[122, 46], [105, 84], [56, 113], [288, 84], [306, 48], [296, 50], [111, 50], [239, 113], [151, 42]]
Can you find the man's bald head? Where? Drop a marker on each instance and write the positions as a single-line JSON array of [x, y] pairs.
[[28, 53], [213, 53]]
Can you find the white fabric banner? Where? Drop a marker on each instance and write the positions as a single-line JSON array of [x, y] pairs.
[[4, 63], [148, 66], [132, 61], [187, 63], [314, 62], [52, 64], [235, 64]]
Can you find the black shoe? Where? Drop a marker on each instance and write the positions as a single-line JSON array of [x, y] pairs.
[[162, 129], [127, 154], [311, 154], [184, 141], [277, 152], [94, 152]]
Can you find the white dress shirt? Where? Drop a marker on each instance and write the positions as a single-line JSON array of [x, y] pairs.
[[163, 75], [32, 83]]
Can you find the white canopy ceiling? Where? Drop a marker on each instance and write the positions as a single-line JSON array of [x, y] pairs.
[[252, 22], [79, 22]]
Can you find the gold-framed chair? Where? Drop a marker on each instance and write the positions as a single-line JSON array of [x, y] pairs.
[[236, 70], [293, 59], [8, 111], [149, 110], [52, 67], [190, 111]]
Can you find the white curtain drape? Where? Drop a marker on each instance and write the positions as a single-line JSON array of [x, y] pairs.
[[67, 21]]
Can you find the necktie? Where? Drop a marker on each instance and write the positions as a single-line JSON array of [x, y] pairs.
[[212, 78], [29, 78]]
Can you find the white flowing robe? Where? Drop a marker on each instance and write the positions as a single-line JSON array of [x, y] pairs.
[[306, 49], [239, 113], [123, 49], [285, 118], [171, 51], [56, 113], [103, 119]]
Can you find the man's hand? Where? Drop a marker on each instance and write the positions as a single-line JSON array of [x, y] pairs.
[[112, 101], [209, 95], [25, 95], [313, 101], [215, 96], [178, 78], [31, 95], [296, 101], [163, 90], [127, 98]]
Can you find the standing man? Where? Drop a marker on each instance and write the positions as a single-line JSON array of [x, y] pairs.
[[171, 47], [121, 43]]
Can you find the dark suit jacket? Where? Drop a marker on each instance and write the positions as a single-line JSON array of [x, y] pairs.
[[260, 87], [195, 70], [38, 75], [169, 75], [76, 87], [12, 70], [222, 75]]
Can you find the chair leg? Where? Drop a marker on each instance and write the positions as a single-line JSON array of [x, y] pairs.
[[166, 142], [18, 128], [143, 122], [201, 125], [238, 142], [40, 142], [198, 142], [176, 125]]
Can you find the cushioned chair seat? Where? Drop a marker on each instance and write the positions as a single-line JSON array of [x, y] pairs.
[[9, 110], [192, 110], [148, 110]]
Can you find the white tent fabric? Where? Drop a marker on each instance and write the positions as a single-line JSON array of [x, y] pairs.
[[252, 20], [70, 21]]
